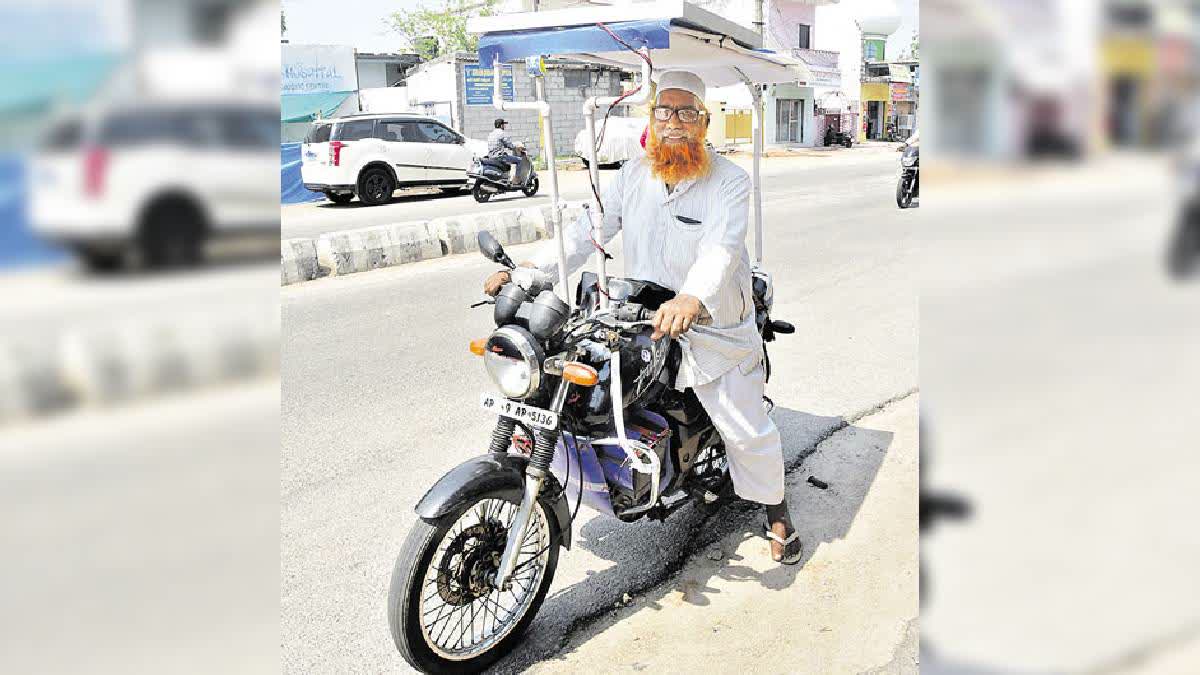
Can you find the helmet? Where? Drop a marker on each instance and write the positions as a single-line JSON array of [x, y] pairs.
[[500, 122]]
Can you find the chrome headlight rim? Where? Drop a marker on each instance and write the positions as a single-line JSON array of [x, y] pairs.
[[530, 353]]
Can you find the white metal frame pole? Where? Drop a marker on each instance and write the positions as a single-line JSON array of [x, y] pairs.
[[589, 121], [543, 109], [757, 130]]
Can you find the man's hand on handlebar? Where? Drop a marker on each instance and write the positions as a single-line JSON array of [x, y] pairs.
[[492, 284], [676, 316]]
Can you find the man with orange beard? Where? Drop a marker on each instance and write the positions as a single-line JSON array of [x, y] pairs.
[[684, 212]]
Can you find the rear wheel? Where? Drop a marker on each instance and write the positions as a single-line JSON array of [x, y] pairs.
[[172, 235], [480, 194], [99, 261], [445, 613], [710, 478], [339, 197], [375, 186]]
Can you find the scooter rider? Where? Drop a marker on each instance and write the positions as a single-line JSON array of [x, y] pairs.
[[684, 211], [500, 144]]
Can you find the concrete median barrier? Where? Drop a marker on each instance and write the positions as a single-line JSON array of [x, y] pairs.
[[298, 261], [112, 363], [373, 248], [366, 249]]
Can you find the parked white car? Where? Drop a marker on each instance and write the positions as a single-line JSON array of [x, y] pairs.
[[622, 140], [373, 155], [157, 178]]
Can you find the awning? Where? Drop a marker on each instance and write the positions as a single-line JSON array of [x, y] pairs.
[[308, 107], [719, 60]]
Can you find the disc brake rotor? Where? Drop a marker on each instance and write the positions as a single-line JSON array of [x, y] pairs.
[[467, 566]]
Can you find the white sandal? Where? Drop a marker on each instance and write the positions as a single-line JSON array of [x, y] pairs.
[[795, 536]]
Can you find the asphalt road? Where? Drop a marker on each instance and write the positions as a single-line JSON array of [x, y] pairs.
[[314, 218], [380, 398], [142, 536], [1058, 375]]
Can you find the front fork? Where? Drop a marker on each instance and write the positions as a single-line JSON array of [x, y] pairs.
[[535, 475]]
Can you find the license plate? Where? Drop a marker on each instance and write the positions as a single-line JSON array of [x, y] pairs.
[[519, 411]]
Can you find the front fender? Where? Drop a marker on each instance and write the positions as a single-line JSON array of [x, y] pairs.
[[491, 472]]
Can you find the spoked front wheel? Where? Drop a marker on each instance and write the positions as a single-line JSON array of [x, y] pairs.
[[445, 611]]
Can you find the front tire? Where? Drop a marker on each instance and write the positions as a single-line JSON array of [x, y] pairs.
[[480, 194], [531, 187], [903, 194], [442, 575], [1183, 252]]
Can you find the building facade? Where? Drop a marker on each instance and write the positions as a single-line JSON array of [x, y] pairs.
[[457, 90]]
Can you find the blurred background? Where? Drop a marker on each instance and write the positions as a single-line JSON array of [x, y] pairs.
[[1060, 336], [139, 333]]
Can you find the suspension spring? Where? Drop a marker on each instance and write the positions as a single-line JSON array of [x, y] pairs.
[[502, 435], [543, 450]]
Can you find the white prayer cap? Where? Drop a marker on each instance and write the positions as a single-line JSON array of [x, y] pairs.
[[681, 79]]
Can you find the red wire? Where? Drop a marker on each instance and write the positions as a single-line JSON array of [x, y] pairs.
[[604, 127]]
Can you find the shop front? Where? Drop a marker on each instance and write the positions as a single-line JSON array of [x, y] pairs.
[[875, 108], [902, 119], [789, 115]]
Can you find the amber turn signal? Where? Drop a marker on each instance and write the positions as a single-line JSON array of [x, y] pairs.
[[478, 346], [580, 373]]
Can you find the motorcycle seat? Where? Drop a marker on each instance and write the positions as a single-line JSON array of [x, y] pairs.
[[494, 162]]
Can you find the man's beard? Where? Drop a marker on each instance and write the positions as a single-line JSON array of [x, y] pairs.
[[675, 162]]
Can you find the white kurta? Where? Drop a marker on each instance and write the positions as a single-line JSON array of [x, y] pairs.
[[722, 362], [707, 259]]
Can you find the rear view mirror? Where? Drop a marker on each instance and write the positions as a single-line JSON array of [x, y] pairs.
[[492, 250]]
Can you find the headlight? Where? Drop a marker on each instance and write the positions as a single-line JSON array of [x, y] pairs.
[[514, 361]]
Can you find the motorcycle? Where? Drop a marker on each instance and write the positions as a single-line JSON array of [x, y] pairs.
[[908, 186], [1183, 246], [492, 175], [837, 138], [587, 414]]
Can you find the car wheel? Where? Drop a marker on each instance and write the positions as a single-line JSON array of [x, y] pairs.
[[480, 194], [172, 235], [375, 186], [339, 197]]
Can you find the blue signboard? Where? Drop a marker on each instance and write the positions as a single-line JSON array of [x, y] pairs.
[[479, 84]]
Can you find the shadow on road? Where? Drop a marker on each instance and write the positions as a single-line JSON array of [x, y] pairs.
[[402, 198], [821, 516]]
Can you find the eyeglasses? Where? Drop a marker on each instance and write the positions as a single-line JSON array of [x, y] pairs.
[[663, 113]]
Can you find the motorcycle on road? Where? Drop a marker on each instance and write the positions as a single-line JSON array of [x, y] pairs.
[[587, 415], [586, 408], [909, 183], [491, 175]]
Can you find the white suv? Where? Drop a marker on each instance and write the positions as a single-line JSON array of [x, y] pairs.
[[374, 154], [157, 178]]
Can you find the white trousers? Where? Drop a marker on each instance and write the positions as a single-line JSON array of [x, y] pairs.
[[734, 401]]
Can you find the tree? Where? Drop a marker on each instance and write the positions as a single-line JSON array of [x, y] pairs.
[[447, 26]]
